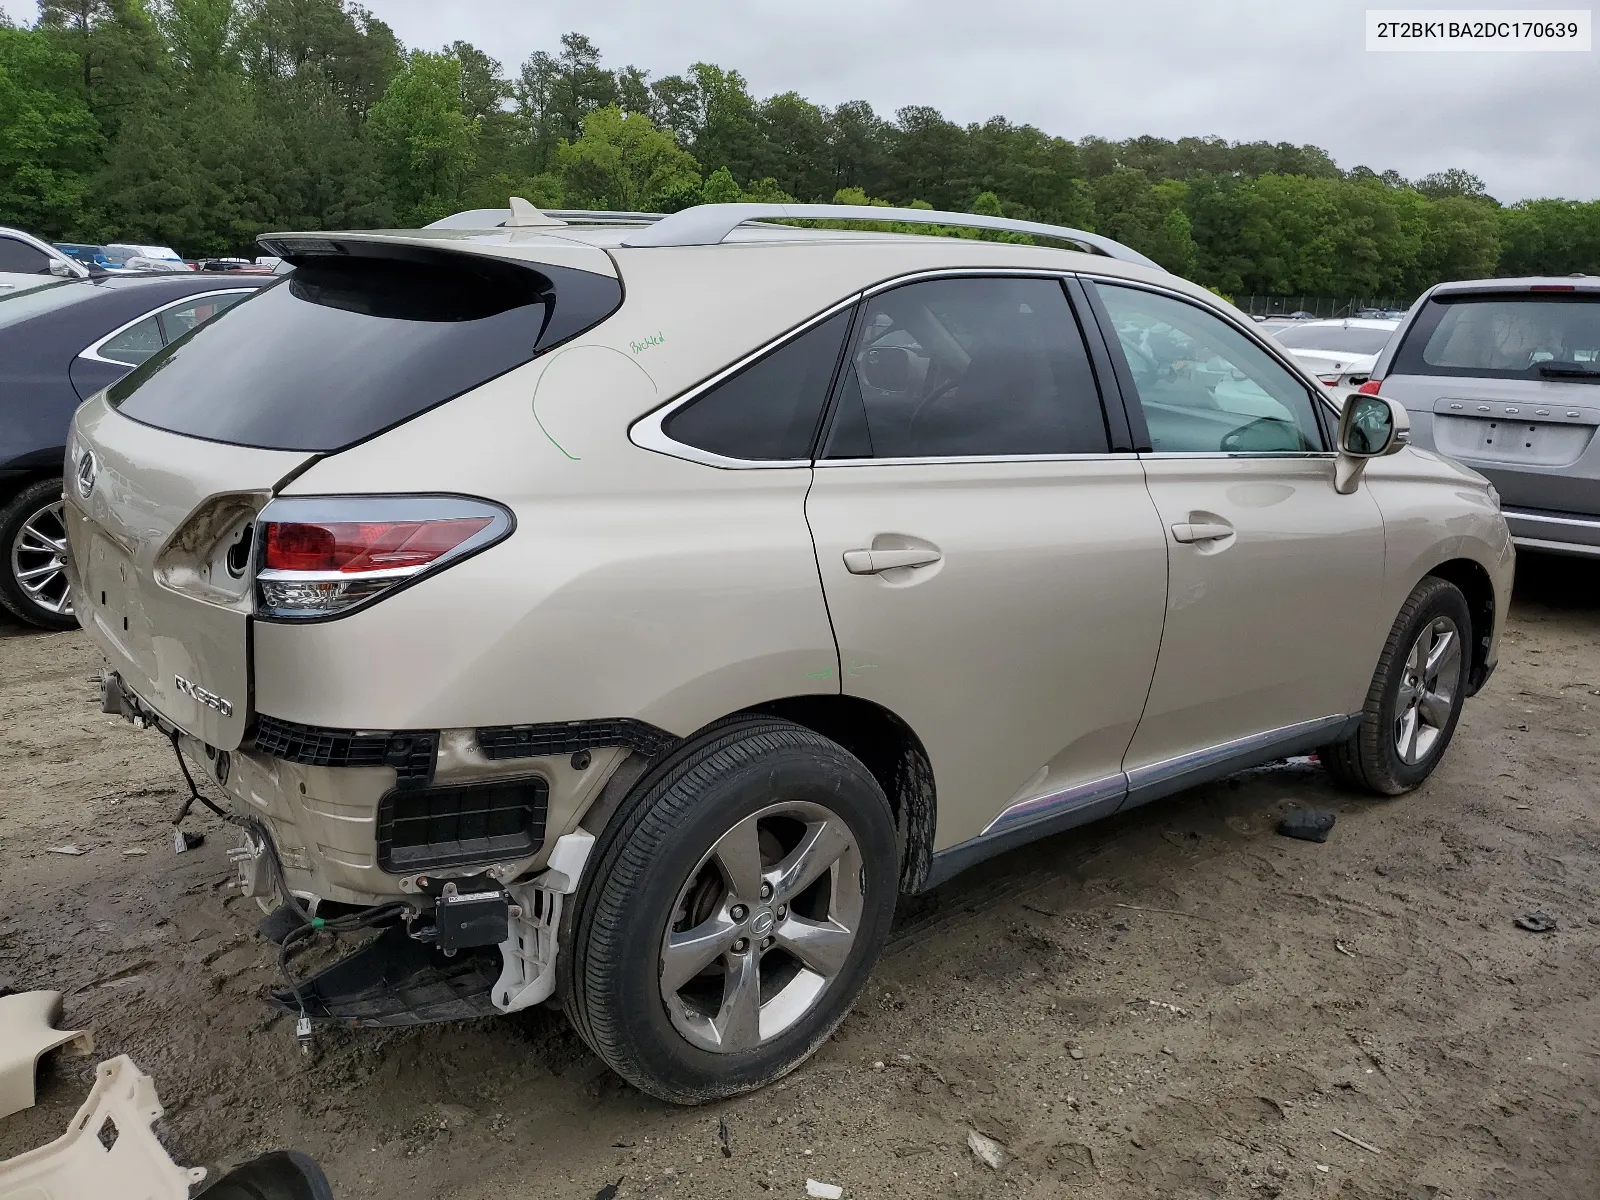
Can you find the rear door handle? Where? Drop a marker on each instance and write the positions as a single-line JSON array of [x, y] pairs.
[[870, 562], [1201, 531]]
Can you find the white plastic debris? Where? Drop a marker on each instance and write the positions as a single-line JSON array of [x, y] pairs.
[[71, 851], [823, 1191], [109, 1148], [987, 1151], [27, 1033]]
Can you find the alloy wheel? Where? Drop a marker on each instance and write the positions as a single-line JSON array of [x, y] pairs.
[[1427, 690], [39, 559], [762, 927]]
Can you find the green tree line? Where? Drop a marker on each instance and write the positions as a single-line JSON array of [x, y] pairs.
[[201, 123]]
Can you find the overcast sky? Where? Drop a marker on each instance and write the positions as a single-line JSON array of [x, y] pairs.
[[1280, 70]]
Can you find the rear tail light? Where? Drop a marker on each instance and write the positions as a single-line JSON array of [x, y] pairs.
[[1370, 387], [322, 556]]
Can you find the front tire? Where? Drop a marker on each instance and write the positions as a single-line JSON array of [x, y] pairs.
[[733, 912], [33, 550], [1415, 699]]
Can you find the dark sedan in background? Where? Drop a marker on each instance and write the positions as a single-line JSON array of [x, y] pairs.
[[60, 344]]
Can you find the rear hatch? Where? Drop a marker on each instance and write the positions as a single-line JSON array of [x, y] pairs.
[[168, 467], [1507, 376]]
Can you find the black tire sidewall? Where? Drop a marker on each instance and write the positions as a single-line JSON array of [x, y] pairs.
[[625, 980], [1445, 601], [13, 600]]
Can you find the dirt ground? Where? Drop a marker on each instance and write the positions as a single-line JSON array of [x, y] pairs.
[[1175, 1003]]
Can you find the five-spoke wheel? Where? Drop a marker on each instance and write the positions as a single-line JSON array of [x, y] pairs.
[[730, 917], [1415, 698], [33, 557], [763, 925]]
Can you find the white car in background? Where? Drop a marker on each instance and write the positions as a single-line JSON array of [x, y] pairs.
[[27, 263], [146, 258], [1340, 352]]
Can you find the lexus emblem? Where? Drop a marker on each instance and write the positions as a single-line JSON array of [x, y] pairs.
[[88, 471]]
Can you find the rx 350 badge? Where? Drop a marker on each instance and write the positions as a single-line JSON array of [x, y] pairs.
[[200, 696]]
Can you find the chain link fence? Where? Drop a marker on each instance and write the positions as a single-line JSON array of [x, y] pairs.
[[1322, 306]]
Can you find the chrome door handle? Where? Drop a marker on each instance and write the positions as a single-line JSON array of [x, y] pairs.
[[870, 562], [1201, 531]]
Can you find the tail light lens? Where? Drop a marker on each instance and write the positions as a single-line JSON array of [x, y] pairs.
[[1370, 387], [323, 556]]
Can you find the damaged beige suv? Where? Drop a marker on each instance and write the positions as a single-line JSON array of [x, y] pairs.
[[624, 611]]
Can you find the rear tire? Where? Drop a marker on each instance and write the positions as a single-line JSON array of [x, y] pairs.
[[732, 912], [1415, 699], [33, 581]]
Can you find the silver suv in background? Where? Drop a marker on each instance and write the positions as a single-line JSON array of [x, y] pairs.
[[1504, 375]]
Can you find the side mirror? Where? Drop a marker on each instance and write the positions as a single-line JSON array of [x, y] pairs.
[[1370, 427], [59, 267], [887, 368]]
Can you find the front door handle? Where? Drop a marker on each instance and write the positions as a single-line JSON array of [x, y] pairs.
[[870, 562], [1201, 531]]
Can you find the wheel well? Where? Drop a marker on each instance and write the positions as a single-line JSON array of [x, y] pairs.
[[1478, 588], [894, 754]]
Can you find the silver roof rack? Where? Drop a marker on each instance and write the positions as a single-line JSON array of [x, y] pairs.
[[496, 218], [709, 224]]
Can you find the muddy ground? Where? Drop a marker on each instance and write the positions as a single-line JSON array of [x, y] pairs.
[[1176, 1003]]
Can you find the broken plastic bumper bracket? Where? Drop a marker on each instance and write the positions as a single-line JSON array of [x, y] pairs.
[[394, 980]]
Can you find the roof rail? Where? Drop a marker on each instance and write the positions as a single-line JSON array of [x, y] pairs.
[[496, 218], [709, 224]]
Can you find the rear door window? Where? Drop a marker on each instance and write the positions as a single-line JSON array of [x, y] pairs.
[[1538, 336], [968, 368], [769, 411], [350, 345]]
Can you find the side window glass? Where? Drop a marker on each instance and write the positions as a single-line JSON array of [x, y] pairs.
[[135, 343], [768, 411], [1204, 386], [179, 320], [968, 368], [23, 258]]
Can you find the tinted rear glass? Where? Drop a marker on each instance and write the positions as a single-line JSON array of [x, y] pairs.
[[347, 347], [769, 411], [1523, 336], [1331, 337]]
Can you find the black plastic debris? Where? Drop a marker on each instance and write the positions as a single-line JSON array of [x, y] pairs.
[[609, 1192], [1536, 922], [1307, 824], [723, 1139], [281, 1175]]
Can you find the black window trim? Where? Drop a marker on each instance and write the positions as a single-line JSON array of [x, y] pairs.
[[92, 351], [1326, 413]]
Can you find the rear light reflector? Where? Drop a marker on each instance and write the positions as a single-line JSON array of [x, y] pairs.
[[1370, 387], [1552, 287], [353, 547], [321, 556]]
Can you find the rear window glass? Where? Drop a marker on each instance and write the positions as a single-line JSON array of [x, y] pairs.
[[769, 411], [349, 346], [1506, 337], [1332, 337]]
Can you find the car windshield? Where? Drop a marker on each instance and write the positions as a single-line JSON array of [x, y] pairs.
[[1513, 335], [17, 307], [1347, 339]]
